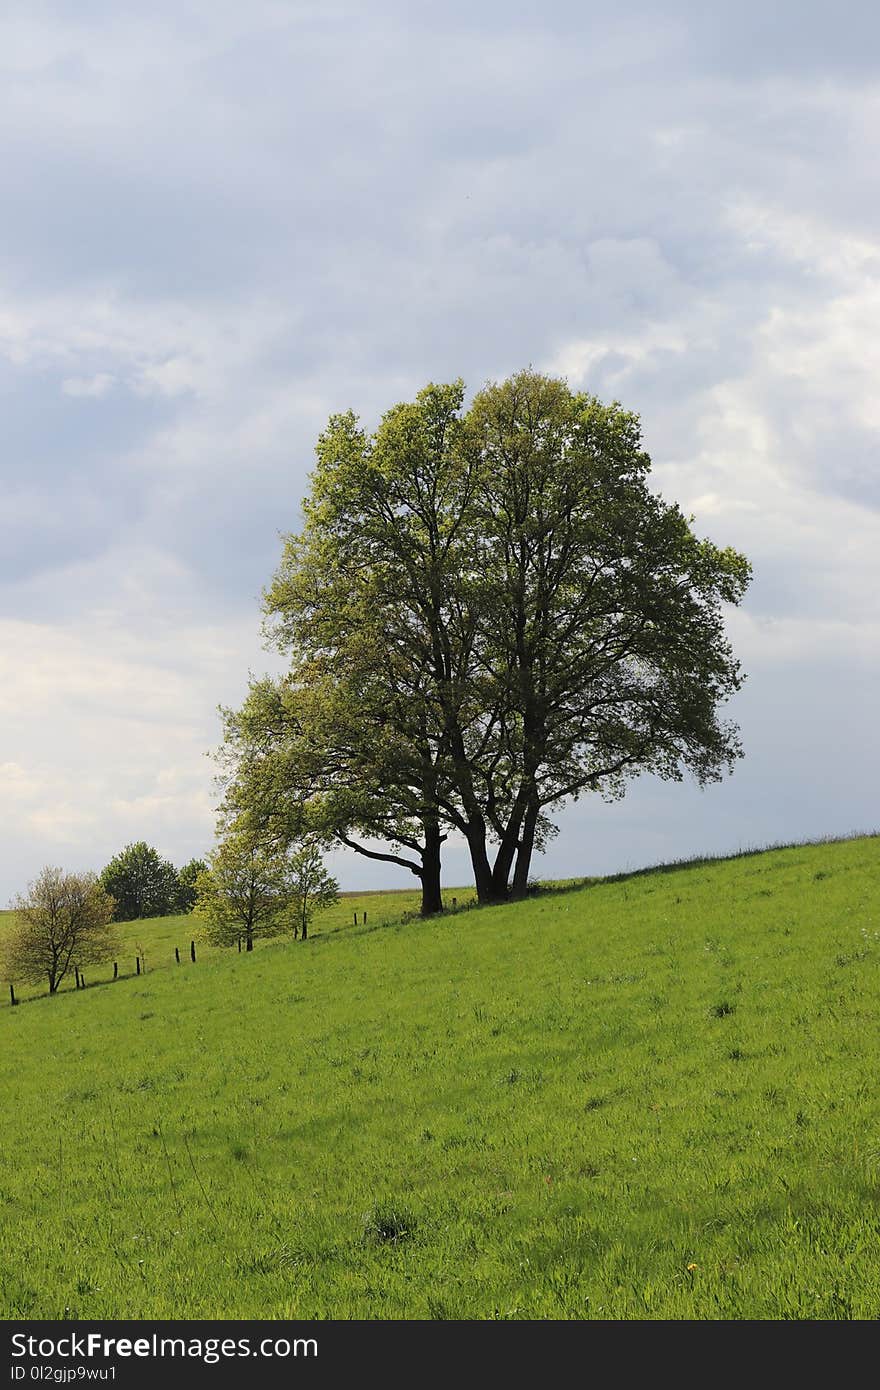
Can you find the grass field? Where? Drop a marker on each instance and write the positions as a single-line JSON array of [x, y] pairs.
[[654, 1097]]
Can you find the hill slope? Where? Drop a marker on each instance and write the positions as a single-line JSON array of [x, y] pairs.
[[654, 1097]]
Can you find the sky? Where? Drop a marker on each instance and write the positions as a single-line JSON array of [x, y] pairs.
[[223, 222]]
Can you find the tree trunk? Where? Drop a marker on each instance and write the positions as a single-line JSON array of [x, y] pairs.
[[476, 838], [501, 869], [506, 851], [250, 939], [524, 853], [432, 899]]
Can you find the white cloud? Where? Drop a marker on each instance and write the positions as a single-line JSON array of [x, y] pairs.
[[19, 784], [64, 825], [96, 386], [163, 345], [579, 361], [808, 239], [109, 716]]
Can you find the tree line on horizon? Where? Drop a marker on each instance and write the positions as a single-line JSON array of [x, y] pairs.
[[487, 613]]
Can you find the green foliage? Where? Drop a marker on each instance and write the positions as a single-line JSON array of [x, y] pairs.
[[141, 882], [487, 613], [63, 922], [245, 891], [555, 1117], [186, 884], [312, 888]]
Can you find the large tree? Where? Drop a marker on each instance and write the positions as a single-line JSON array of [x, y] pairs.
[[63, 921], [487, 613], [142, 883]]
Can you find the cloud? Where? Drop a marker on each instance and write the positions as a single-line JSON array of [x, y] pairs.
[[96, 386], [112, 712], [18, 785]]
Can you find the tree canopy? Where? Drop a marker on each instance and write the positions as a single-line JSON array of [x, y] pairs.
[[312, 887], [246, 890], [185, 898], [141, 882], [62, 922], [487, 612]]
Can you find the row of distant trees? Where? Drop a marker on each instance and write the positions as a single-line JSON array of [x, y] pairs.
[[143, 884], [68, 921]]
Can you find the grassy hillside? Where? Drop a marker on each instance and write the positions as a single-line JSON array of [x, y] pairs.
[[653, 1097]]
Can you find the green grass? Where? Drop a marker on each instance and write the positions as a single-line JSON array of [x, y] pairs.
[[653, 1097]]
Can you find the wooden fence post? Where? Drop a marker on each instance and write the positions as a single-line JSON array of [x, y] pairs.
[[12, 997], [137, 964], [355, 919], [177, 954], [365, 919], [192, 950], [115, 969]]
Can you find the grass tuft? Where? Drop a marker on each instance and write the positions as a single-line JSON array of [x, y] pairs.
[[388, 1224]]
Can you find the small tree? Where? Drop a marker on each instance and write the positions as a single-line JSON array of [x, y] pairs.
[[64, 921], [143, 884], [186, 884], [313, 887], [244, 891]]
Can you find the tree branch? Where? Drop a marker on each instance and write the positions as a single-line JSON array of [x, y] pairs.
[[374, 854]]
